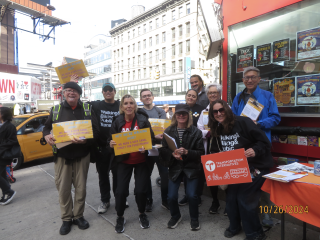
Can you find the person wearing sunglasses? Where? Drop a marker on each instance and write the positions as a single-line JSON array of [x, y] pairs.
[[183, 162], [230, 132]]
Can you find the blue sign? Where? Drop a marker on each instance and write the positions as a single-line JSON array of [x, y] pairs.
[[187, 70]]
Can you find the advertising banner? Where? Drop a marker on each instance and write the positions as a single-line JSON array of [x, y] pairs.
[[66, 131], [281, 50], [263, 54], [159, 125], [132, 141], [284, 91], [223, 168], [308, 90], [244, 58], [308, 44], [64, 72]]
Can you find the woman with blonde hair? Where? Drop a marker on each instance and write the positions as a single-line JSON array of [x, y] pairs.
[[183, 162], [130, 119]]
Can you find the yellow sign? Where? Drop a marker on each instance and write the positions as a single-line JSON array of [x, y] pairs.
[[64, 72], [159, 125], [205, 120], [66, 131], [129, 142]]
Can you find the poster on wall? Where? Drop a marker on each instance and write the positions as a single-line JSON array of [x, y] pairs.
[[281, 50], [284, 91], [308, 90], [308, 44], [263, 54], [244, 58]]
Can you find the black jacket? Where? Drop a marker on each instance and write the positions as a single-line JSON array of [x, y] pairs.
[[203, 98], [116, 127], [246, 134], [73, 151], [8, 139], [191, 163], [196, 111]]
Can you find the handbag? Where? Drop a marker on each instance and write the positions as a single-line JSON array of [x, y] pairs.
[[13, 152]]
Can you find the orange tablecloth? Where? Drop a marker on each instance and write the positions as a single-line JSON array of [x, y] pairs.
[[296, 194]]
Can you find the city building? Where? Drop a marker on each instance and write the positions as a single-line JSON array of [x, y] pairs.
[[97, 61], [153, 49]]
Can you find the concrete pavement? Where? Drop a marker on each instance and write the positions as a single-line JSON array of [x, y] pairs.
[[35, 214]]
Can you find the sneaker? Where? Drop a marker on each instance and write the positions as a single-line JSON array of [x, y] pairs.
[[144, 222], [149, 205], [261, 236], [215, 206], [173, 223], [229, 234], [127, 204], [266, 221], [165, 205], [199, 201], [103, 208], [183, 201], [7, 198], [121, 221], [194, 225]]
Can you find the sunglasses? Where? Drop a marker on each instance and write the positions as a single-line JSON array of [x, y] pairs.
[[221, 110], [182, 114]]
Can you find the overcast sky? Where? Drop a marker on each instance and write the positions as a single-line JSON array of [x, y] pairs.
[[88, 18]]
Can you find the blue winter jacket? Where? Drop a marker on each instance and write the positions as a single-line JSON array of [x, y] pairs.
[[269, 116]]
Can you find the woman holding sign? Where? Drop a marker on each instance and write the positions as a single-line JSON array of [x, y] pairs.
[[130, 119], [181, 152], [230, 132]]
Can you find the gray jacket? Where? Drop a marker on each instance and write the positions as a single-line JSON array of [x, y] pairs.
[[203, 99]]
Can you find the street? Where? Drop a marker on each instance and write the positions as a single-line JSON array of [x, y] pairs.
[[34, 213]]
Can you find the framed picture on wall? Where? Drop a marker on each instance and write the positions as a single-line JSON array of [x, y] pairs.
[[281, 50], [308, 44], [284, 91], [244, 58], [308, 90], [263, 54]]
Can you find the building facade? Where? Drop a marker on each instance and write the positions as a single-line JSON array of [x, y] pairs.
[[157, 42], [97, 61]]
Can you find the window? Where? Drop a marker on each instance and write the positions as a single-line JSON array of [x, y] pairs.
[[139, 74], [121, 64], [173, 30], [144, 44], [118, 53], [150, 71], [180, 66], [202, 63], [128, 62], [164, 69], [139, 31], [180, 12], [173, 50], [133, 75], [180, 31], [157, 23], [163, 36], [150, 41], [199, 62], [133, 47], [164, 20], [173, 67], [150, 57], [144, 58], [157, 39], [173, 15], [115, 78], [188, 46], [133, 33], [129, 35], [114, 54], [129, 49], [118, 39], [164, 53], [139, 60], [121, 37], [144, 73], [188, 8], [114, 41], [139, 46], [133, 61], [122, 77], [128, 76], [150, 25], [188, 28], [144, 28], [200, 47], [118, 77], [121, 52], [157, 55], [180, 48], [118, 65], [115, 66]]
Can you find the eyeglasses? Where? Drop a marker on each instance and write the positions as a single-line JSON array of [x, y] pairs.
[[182, 114], [192, 96], [71, 91], [213, 93], [147, 96], [221, 110], [253, 78]]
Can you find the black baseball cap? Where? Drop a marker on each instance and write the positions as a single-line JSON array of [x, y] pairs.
[[182, 108], [74, 86]]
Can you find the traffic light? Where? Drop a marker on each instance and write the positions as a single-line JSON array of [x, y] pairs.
[[157, 74]]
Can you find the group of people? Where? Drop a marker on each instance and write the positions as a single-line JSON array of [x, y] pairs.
[[201, 126]]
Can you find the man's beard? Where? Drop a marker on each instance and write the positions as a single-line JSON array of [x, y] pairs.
[[197, 88]]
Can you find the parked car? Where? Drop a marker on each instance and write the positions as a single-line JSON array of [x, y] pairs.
[[29, 131]]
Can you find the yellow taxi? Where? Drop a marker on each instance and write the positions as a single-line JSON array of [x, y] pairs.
[[29, 132]]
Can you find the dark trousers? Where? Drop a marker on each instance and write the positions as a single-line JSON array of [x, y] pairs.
[[242, 206], [104, 166], [163, 172], [192, 195], [4, 183], [141, 177]]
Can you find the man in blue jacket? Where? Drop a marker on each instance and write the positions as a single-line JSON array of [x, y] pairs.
[[268, 118]]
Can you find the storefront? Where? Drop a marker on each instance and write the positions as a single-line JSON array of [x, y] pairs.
[[282, 39]]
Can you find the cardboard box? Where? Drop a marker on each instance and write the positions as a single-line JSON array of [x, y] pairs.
[[302, 140], [292, 139]]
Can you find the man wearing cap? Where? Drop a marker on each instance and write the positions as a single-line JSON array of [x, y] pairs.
[[197, 84], [71, 163], [105, 111]]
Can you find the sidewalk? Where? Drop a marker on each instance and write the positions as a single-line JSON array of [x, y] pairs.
[[35, 214]]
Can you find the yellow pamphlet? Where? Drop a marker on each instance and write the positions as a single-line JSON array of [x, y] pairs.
[[252, 109], [65, 71], [159, 125]]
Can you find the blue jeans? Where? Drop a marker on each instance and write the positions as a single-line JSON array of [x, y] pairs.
[[192, 195], [242, 206]]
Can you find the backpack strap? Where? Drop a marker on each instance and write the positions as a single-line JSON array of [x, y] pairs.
[[158, 110], [55, 112], [87, 110]]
